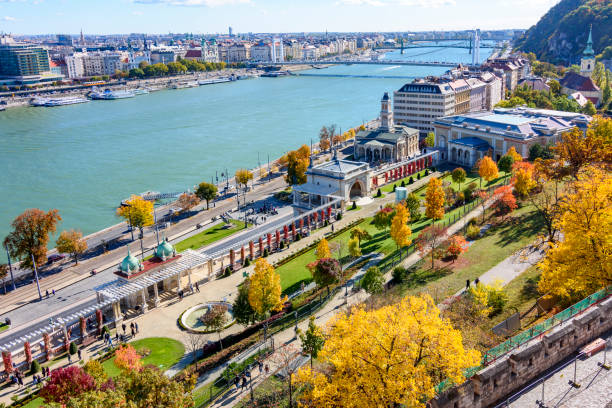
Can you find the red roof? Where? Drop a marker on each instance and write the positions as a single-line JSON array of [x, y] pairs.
[[57, 63], [194, 54], [577, 82]]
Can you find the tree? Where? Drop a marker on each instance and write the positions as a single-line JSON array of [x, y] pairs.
[[458, 176], [149, 387], [514, 154], [456, 246], [511, 103], [206, 191], [487, 169], [434, 199], [66, 383], [505, 202], [492, 298], [382, 219], [30, 235], [430, 140], [265, 288], [547, 201], [324, 143], [297, 164], [327, 271], [391, 356], [505, 164], [71, 242], [429, 240], [187, 201], [373, 281], [243, 176], [137, 211], [96, 370], [575, 150], [589, 108], [353, 247], [322, 250], [242, 310], [580, 264], [215, 319], [413, 204], [127, 358], [523, 178], [312, 340], [360, 234], [538, 151], [136, 73], [400, 231], [285, 359]]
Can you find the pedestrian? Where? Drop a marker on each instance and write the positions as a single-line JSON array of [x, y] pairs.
[[80, 353], [133, 331], [266, 369], [136, 327], [53, 291], [332, 227], [476, 281], [197, 287], [47, 293], [237, 382], [123, 327], [117, 336], [69, 358], [191, 288], [19, 379], [259, 365], [467, 284], [244, 382]]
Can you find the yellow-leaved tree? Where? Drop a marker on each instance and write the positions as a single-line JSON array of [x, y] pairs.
[[386, 357], [400, 231], [487, 169], [322, 250], [514, 154], [434, 200], [71, 242], [581, 263], [137, 211], [265, 288], [523, 179]]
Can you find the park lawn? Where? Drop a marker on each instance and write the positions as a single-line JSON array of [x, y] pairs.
[[35, 403], [208, 236], [165, 352], [498, 243]]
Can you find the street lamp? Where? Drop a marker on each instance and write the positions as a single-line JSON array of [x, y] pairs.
[[8, 256], [36, 276]]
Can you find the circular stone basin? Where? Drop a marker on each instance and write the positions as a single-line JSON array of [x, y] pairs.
[[190, 319]]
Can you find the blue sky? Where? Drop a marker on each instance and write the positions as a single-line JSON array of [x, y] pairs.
[[214, 16]]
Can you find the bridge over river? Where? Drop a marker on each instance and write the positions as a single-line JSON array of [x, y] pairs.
[[377, 62]]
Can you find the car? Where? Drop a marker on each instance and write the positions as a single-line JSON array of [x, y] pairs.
[[54, 258]]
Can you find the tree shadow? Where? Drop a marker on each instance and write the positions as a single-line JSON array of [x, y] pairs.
[[517, 228], [421, 277]]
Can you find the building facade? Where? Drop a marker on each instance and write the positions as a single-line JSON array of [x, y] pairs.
[[20, 60]]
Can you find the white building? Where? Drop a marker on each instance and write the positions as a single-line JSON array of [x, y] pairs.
[[261, 53], [74, 65]]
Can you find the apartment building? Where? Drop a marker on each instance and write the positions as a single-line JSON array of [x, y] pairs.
[[261, 53], [462, 95]]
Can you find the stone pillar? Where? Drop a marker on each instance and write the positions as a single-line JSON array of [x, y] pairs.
[[293, 230], [28, 352], [143, 301], [323, 216], [277, 239], [301, 225], [117, 312], [329, 211], [308, 222], [66, 338], [285, 232], [242, 256], [261, 246], [386, 178], [99, 320], [269, 238], [179, 284], [47, 346], [210, 267], [156, 292], [7, 358], [232, 257], [251, 250], [189, 278], [83, 327]]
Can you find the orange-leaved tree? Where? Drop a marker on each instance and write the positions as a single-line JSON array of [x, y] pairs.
[[523, 179], [505, 202], [434, 199], [456, 246], [487, 169], [127, 358]]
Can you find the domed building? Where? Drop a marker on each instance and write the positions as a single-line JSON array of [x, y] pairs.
[[130, 264], [165, 250]]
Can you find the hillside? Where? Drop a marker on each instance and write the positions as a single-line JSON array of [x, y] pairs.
[[561, 34]]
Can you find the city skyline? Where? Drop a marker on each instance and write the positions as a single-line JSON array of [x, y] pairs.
[[215, 16]]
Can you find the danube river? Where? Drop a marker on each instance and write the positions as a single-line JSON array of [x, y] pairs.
[[84, 159]]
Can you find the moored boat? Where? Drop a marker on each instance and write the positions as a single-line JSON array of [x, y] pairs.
[[59, 101]]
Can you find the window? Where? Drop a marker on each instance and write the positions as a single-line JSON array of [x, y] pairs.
[[530, 361]]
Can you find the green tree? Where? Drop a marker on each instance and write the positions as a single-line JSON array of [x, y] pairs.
[[312, 340], [458, 176], [505, 164], [327, 271], [360, 234], [413, 204], [241, 308], [206, 191], [555, 87], [136, 73], [589, 108], [373, 281], [430, 140]]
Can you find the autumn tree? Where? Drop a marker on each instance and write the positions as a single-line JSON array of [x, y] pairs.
[[483, 195], [265, 288], [96, 370], [324, 142], [413, 204], [576, 150], [505, 202], [400, 231], [30, 235], [65, 383], [312, 339], [382, 219], [373, 281], [215, 319], [241, 308], [391, 356], [322, 250], [71, 242], [206, 191], [429, 240], [547, 201], [243, 176], [353, 247], [187, 201], [456, 246], [579, 264], [487, 169], [127, 358], [327, 272], [430, 140], [4, 270], [297, 164], [434, 199], [149, 387], [516, 157], [137, 211], [523, 178], [360, 234], [458, 175]]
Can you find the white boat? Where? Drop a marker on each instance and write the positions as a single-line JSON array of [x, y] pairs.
[[213, 81], [60, 101], [184, 84], [140, 91], [109, 95]]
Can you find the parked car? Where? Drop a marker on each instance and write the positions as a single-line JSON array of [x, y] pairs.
[[54, 258]]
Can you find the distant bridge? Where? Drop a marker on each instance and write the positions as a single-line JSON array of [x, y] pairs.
[[378, 62], [352, 76]]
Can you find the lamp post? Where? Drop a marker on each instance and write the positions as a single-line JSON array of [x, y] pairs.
[[8, 256], [36, 277]]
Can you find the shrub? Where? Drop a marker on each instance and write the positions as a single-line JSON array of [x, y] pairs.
[[338, 216], [394, 187], [399, 274], [354, 206], [298, 236], [403, 183], [379, 193], [247, 261], [282, 245], [326, 223], [265, 252], [73, 348], [105, 330], [472, 221], [426, 172], [411, 181], [35, 367], [419, 176], [433, 168], [473, 232], [228, 272], [497, 300]]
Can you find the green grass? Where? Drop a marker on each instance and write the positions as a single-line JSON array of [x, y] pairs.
[[208, 236], [35, 403], [3, 327], [389, 187], [165, 353], [357, 208], [381, 196]]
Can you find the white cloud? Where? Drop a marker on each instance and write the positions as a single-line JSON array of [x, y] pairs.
[[207, 3], [8, 18], [381, 3]]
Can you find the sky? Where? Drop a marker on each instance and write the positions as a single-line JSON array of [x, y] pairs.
[[215, 16]]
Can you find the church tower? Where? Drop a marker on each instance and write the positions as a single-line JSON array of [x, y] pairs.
[[386, 116], [587, 63]]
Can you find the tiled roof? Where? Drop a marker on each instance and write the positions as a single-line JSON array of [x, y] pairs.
[[194, 54], [577, 82], [473, 142]]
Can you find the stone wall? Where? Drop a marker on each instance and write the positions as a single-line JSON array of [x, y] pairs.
[[514, 370]]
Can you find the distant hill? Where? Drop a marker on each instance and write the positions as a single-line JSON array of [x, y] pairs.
[[561, 34]]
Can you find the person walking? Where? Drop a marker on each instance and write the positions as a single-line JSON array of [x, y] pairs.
[[266, 369], [467, 284], [237, 383], [69, 358], [197, 287], [80, 353], [244, 382], [47, 293], [136, 327], [123, 327], [53, 291]]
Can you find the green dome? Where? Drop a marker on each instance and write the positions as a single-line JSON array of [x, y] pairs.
[[130, 263], [164, 250]]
